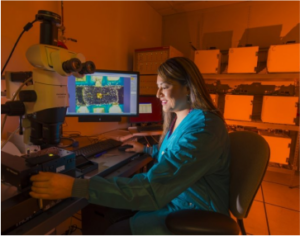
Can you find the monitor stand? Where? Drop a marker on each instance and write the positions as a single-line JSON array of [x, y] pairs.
[[99, 119]]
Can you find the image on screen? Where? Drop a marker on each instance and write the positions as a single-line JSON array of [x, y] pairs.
[[113, 93], [150, 110]]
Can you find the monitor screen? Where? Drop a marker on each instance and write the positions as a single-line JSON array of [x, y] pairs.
[[150, 110], [105, 94]]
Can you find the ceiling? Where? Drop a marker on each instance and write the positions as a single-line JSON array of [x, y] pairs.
[[165, 8]]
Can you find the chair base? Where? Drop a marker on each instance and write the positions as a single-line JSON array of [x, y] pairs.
[[241, 224]]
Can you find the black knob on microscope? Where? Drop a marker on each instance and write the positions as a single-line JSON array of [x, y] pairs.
[[13, 108], [28, 96]]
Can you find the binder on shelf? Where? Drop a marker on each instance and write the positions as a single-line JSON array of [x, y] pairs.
[[279, 109], [208, 61], [284, 58], [238, 107], [279, 148], [243, 60]]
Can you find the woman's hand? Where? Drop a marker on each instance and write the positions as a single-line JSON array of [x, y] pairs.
[[48, 185], [137, 147]]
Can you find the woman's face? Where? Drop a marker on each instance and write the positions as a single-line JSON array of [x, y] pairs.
[[172, 94]]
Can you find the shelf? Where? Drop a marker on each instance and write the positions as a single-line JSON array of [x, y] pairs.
[[282, 170], [251, 77], [262, 125]]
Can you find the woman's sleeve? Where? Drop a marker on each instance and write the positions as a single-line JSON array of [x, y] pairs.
[[194, 155], [152, 151]]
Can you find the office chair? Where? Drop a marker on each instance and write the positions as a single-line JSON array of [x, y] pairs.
[[249, 159]]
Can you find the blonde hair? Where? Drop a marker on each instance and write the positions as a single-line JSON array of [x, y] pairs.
[[185, 72]]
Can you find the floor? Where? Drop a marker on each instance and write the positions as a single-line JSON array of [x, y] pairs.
[[275, 209]]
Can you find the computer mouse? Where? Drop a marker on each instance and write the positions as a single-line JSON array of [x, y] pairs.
[[124, 147]]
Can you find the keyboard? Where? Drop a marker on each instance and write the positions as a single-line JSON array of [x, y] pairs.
[[94, 149], [150, 128]]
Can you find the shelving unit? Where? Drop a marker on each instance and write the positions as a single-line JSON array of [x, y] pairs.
[[257, 77], [291, 80], [262, 125]]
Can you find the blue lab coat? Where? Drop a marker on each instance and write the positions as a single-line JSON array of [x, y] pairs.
[[192, 172]]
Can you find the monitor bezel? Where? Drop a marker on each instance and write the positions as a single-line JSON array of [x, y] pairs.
[[103, 117]]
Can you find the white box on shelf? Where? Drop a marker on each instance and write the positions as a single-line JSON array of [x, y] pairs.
[[284, 58], [242, 60], [208, 61], [238, 107], [279, 109], [279, 148]]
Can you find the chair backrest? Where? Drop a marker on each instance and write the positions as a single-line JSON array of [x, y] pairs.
[[250, 155]]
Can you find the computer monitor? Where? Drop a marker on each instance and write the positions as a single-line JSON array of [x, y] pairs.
[[150, 110], [103, 96]]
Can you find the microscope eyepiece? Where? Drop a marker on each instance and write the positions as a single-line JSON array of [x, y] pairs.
[[87, 68], [72, 65]]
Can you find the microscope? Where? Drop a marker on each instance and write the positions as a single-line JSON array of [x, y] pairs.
[[42, 104]]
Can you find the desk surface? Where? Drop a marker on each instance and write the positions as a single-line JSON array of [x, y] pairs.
[[148, 133], [50, 218]]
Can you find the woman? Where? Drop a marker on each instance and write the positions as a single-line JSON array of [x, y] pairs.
[[192, 168]]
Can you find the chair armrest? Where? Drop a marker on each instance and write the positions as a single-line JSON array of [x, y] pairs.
[[197, 222]]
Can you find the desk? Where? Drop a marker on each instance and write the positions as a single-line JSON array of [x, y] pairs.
[[52, 217], [147, 133]]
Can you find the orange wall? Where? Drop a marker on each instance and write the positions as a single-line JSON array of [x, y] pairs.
[[257, 23], [14, 16], [106, 33]]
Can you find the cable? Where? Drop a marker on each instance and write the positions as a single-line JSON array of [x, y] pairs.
[[78, 135], [10, 136], [155, 140], [72, 228], [17, 92], [147, 141], [265, 209], [68, 231], [66, 146], [26, 28]]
